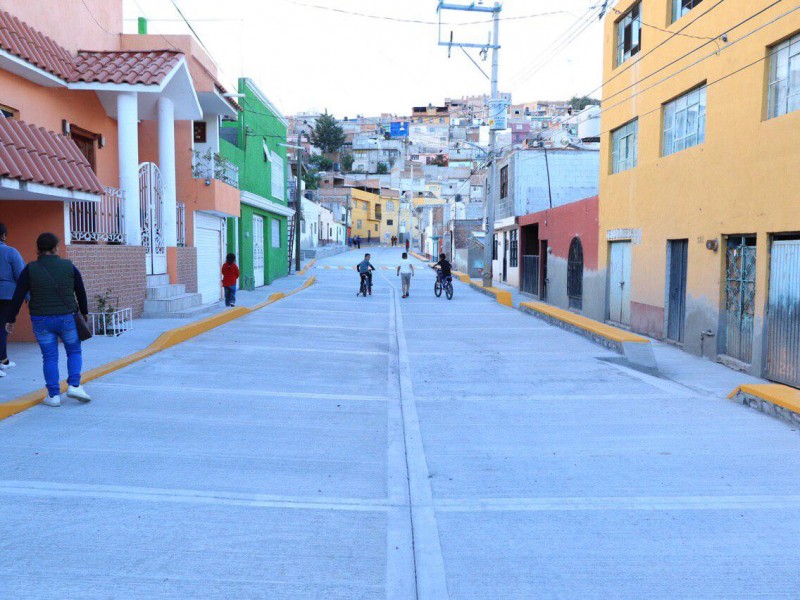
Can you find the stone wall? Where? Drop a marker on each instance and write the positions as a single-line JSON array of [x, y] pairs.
[[120, 269]]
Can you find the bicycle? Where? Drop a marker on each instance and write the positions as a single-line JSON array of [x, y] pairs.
[[443, 283], [365, 287]]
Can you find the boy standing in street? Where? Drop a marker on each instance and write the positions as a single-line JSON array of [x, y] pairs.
[[230, 275], [406, 271]]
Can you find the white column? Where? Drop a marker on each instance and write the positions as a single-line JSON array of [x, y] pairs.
[[128, 132], [166, 160]]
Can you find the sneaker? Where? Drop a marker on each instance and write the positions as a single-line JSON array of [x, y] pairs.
[[78, 393], [2, 373], [52, 401], [7, 365]]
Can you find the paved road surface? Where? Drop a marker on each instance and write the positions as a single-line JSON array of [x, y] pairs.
[[340, 447]]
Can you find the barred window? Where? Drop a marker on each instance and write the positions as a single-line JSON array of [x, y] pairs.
[[513, 249]]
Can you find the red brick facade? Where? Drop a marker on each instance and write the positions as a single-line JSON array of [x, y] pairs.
[[187, 268], [120, 269]]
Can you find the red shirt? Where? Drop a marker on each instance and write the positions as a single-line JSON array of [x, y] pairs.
[[230, 273]]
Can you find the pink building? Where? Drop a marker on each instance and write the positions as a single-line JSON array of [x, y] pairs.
[[109, 141]]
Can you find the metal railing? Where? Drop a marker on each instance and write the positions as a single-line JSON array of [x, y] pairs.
[[180, 228], [102, 221], [214, 166], [111, 324]]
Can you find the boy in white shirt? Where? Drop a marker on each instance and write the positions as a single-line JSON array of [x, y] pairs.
[[406, 270]]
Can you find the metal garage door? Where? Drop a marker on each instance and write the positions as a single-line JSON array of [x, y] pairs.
[[208, 232], [783, 317], [258, 250]]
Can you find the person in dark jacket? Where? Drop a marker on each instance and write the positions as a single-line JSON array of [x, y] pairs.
[[11, 265], [56, 294]]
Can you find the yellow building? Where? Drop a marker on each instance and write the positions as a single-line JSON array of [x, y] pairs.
[[700, 178], [366, 214], [390, 207]]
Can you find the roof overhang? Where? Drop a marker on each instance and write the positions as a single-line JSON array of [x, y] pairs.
[[13, 189], [260, 202], [22, 68], [177, 86], [214, 103]]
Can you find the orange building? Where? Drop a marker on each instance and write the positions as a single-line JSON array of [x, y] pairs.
[[123, 138]]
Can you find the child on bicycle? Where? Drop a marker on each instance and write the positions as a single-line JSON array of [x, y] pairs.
[[365, 269], [443, 268]]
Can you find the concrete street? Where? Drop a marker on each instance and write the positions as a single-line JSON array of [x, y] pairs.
[[331, 446]]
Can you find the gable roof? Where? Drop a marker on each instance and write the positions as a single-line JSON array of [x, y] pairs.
[[145, 68], [21, 40], [36, 155]]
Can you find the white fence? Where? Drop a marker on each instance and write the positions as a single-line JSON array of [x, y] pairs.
[[102, 221]]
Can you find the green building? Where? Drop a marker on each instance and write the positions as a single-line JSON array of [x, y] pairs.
[[254, 144]]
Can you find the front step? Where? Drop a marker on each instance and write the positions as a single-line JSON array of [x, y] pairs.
[[157, 280], [186, 313], [172, 304], [162, 292]]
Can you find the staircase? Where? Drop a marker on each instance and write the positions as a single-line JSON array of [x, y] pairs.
[[167, 300]]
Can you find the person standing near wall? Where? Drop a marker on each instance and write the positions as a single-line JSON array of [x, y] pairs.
[[11, 266], [56, 294]]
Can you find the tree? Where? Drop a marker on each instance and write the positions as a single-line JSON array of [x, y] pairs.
[[383, 168], [327, 135], [580, 102], [440, 160], [321, 163], [347, 162], [311, 179]]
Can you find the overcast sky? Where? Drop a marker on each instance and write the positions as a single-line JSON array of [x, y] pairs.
[[305, 57]]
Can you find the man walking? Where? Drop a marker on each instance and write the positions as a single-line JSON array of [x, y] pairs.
[[406, 271], [11, 265]]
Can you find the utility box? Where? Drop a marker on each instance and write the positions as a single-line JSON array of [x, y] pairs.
[[498, 115]]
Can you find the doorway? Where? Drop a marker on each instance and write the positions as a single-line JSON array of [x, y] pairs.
[[740, 296], [543, 271], [783, 314], [677, 259], [619, 287], [505, 256], [575, 274]]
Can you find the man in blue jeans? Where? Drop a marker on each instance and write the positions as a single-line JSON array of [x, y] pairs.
[[56, 294], [11, 265]]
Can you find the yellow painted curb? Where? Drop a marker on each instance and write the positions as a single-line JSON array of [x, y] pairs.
[[462, 277], [307, 267], [775, 393], [166, 340], [502, 296], [600, 329]]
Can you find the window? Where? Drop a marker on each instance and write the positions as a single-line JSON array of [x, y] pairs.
[[624, 147], [85, 141], [681, 7], [276, 233], [629, 34], [390, 206], [365, 206], [200, 132], [685, 121], [376, 227], [278, 177], [303, 226], [513, 248], [494, 248], [378, 212], [784, 78], [8, 112], [504, 182], [358, 224], [389, 221]]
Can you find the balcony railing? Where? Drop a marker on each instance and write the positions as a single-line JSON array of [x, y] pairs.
[[102, 221], [213, 166]]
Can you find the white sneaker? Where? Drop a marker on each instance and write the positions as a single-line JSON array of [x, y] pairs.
[[2, 373], [8, 365], [52, 401], [78, 393]]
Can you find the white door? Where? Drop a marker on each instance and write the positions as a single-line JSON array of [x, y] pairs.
[[619, 283], [151, 215], [208, 236], [258, 250]]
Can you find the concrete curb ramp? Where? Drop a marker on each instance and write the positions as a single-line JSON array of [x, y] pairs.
[[502, 296], [776, 400], [168, 339], [635, 348]]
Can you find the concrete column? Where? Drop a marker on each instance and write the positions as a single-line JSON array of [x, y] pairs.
[[128, 131], [166, 160]]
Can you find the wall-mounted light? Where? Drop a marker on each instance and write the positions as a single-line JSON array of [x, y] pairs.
[[208, 182], [712, 245], [65, 129]]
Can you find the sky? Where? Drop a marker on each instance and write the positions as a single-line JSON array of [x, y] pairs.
[[305, 56]]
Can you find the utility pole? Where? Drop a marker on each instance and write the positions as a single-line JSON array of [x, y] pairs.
[[497, 116], [298, 203]]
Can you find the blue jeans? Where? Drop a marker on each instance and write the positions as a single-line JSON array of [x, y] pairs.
[[230, 295], [47, 331], [4, 306]]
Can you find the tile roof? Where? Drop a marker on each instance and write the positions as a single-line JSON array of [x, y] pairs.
[[19, 39], [147, 68], [33, 154]]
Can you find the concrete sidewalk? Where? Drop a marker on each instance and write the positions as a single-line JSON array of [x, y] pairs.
[[27, 375]]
